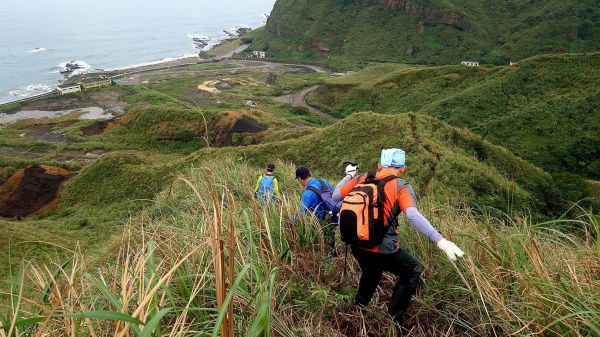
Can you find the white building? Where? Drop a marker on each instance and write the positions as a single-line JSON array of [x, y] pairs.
[[64, 89], [513, 63], [470, 63], [259, 54]]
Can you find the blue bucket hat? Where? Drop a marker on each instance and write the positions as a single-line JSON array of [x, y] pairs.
[[393, 158]]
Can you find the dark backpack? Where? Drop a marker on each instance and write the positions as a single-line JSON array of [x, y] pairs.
[[326, 195], [362, 213]]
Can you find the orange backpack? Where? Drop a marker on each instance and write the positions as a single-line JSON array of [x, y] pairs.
[[362, 213]]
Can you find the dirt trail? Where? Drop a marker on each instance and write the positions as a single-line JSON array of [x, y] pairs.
[[424, 187], [299, 99]]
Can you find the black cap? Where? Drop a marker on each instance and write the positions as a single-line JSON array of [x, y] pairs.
[[270, 167], [302, 173]]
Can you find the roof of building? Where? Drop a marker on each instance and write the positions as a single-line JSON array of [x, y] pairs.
[[90, 80], [68, 85]]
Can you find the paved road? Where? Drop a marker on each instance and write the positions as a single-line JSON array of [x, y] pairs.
[[299, 99], [235, 51]]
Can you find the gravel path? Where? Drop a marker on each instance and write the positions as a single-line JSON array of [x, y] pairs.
[[299, 99]]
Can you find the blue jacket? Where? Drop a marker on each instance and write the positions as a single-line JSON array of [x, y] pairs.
[[311, 201]]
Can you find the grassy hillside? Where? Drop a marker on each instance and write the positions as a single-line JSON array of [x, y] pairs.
[[428, 31], [444, 163], [545, 109], [206, 259], [120, 164], [159, 234]]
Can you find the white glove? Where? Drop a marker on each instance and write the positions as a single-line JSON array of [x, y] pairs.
[[351, 170], [451, 250]]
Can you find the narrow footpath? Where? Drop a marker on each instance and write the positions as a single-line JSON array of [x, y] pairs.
[[299, 99]]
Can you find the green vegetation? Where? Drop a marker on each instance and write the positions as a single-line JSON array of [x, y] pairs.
[[130, 159], [159, 234], [352, 32], [444, 163], [9, 107], [544, 109], [189, 263]]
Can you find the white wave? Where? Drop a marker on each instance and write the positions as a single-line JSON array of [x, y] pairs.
[[211, 44], [30, 90], [37, 50], [83, 67]]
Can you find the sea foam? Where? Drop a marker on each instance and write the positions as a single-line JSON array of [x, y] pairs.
[[37, 50], [30, 90]]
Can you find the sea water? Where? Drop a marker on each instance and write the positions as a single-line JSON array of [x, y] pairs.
[[39, 37]]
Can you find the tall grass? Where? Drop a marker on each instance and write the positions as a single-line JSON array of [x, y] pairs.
[[209, 260]]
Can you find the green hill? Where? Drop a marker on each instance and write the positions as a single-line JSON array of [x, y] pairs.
[[545, 109], [339, 32], [444, 163], [160, 234]]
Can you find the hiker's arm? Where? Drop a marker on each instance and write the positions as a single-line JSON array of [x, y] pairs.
[[344, 187], [257, 184], [276, 187], [308, 201], [343, 182], [408, 204], [305, 205], [420, 223]]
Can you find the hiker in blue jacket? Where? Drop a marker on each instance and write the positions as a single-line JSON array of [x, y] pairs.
[[312, 202], [267, 186]]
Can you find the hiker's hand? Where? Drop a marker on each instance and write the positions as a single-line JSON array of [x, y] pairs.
[[351, 170], [451, 250]]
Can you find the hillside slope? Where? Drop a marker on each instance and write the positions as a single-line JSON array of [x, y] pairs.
[[545, 109], [428, 31], [444, 163]]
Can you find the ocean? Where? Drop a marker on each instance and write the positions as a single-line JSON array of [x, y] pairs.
[[39, 37]]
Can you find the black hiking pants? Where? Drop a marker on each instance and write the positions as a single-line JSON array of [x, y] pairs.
[[402, 264]]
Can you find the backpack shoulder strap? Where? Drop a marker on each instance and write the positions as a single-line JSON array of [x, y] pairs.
[[381, 188], [323, 185], [314, 189], [310, 188]]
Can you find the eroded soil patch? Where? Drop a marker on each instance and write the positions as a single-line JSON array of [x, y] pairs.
[[95, 129], [32, 190], [235, 128]]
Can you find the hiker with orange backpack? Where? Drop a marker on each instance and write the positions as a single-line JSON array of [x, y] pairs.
[[371, 204], [316, 199]]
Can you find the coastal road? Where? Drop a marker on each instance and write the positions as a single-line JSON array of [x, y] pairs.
[[299, 99], [233, 52]]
